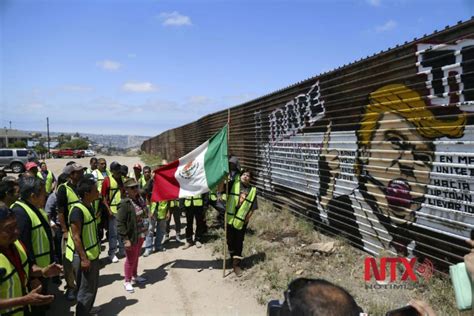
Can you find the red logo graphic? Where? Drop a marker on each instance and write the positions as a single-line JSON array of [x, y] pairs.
[[380, 273]]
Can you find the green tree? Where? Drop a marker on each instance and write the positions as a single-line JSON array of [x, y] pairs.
[[17, 144], [78, 143], [41, 149]]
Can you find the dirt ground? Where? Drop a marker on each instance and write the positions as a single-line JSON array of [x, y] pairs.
[[180, 282]]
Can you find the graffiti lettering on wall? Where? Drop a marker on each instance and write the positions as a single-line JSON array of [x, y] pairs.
[[396, 179], [450, 72], [302, 111]]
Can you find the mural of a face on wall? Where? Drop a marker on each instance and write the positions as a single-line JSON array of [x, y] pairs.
[[396, 151]]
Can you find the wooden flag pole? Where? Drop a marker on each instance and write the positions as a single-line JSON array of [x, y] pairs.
[[227, 197]]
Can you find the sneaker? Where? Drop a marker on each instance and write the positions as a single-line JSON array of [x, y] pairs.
[[187, 245], [114, 259], [128, 287], [167, 238], [198, 244], [138, 279], [147, 252], [70, 295], [178, 239]]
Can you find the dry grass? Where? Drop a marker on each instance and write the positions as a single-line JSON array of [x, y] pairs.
[[276, 252], [150, 160]]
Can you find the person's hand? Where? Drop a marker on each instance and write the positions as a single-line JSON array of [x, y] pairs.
[[422, 308], [469, 258], [127, 244], [52, 270], [65, 235], [36, 298], [168, 216], [85, 264], [111, 215]]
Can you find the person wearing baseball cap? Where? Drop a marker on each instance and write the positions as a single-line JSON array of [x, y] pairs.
[[138, 176], [112, 191], [66, 198], [31, 168]]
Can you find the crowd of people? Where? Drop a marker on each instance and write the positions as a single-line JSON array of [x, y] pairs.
[[54, 227]]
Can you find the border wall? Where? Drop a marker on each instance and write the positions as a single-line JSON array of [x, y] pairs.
[[380, 151]]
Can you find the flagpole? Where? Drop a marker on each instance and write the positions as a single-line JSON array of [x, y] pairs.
[[227, 197]]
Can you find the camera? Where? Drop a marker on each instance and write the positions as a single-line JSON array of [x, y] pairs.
[[277, 308]]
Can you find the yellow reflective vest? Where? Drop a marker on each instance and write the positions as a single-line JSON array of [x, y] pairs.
[[39, 237], [100, 177], [235, 217], [89, 237], [194, 201], [161, 208], [10, 283], [48, 182], [114, 195]]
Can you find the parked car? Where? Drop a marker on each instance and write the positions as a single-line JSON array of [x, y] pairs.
[[76, 153], [89, 153], [16, 158]]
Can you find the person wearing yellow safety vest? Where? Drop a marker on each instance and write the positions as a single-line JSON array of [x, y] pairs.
[[145, 180], [159, 214], [194, 207], [93, 162], [112, 191], [17, 274], [47, 176], [66, 198], [220, 195], [101, 173], [83, 247], [241, 203], [34, 231]]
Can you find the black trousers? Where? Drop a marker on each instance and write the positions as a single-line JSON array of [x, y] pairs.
[[195, 212], [235, 240], [176, 213]]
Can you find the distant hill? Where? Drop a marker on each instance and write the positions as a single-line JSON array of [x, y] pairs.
[[118, 141]]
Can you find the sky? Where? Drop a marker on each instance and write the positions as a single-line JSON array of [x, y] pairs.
[[139, 67]]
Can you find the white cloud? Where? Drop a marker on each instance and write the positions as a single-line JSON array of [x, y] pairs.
[[174, 19], [139, 87], [374, 3], [388, 26], [109, 65]]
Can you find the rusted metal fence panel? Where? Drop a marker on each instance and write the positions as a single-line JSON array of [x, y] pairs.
[[380, 151]]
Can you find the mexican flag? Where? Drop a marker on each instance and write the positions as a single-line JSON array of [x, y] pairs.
[[197, 172]]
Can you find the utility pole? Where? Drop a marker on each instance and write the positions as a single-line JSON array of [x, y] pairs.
[[10, 124], [47, 128]]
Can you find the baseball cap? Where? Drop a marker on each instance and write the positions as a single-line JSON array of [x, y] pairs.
[[30, 165], [71, 168], [115, 166], [137, 166]]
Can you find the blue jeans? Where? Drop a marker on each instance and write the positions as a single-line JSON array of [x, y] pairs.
[[113, 238], [160, 226]]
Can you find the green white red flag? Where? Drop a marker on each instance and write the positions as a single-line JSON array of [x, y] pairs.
[[197, 172]]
